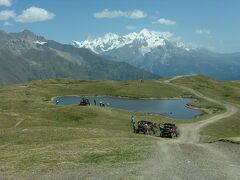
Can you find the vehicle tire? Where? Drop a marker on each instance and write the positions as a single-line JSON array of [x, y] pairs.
[[154, 131], [137, 131], [176, 134], [151, 132]]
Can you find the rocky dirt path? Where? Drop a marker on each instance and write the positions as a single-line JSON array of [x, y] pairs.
[[190, 132], [187, 158]]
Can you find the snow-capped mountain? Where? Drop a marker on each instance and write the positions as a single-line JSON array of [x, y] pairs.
[[148, 40], [159, 53]]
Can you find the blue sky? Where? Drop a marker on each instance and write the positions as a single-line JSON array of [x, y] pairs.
[[213, 24]]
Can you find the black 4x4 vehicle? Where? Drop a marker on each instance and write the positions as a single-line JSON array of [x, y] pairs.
[[168, 130]]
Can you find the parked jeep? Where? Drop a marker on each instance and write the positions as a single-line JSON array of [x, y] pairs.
[[168, 130]]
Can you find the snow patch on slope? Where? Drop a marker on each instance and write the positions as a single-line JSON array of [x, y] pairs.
[[39, 42]]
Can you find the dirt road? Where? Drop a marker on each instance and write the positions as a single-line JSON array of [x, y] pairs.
[[190, 132], [187, 158]]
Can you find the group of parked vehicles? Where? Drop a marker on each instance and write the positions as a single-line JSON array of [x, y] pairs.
[[147, 127], [166, 129], [86, 102]]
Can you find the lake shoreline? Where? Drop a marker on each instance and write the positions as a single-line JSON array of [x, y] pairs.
[[167, 109], [121, 97]]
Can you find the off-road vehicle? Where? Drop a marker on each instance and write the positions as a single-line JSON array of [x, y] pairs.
[[168, 130]]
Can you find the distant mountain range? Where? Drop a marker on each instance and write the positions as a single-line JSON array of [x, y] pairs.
[[154, 52], [25, 56]]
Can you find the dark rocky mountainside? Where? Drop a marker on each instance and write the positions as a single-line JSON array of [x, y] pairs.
[[25, 56]]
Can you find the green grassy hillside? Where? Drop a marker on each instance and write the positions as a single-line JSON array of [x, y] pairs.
[[36, 135]]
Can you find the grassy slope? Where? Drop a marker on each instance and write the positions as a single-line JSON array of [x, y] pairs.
[[223, 90], [50, 136]]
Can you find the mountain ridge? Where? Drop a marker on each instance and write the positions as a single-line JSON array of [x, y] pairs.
[[158, 53], [26, 56], [112, 41]]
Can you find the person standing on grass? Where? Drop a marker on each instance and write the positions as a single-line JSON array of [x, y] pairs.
[[133, 124]]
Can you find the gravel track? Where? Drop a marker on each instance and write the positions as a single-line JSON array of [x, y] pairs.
[[188, 158]]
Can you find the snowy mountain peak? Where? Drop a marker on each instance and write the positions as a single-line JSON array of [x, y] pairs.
[[111, 36], [142, 43], [110, 41], [146, 33]]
